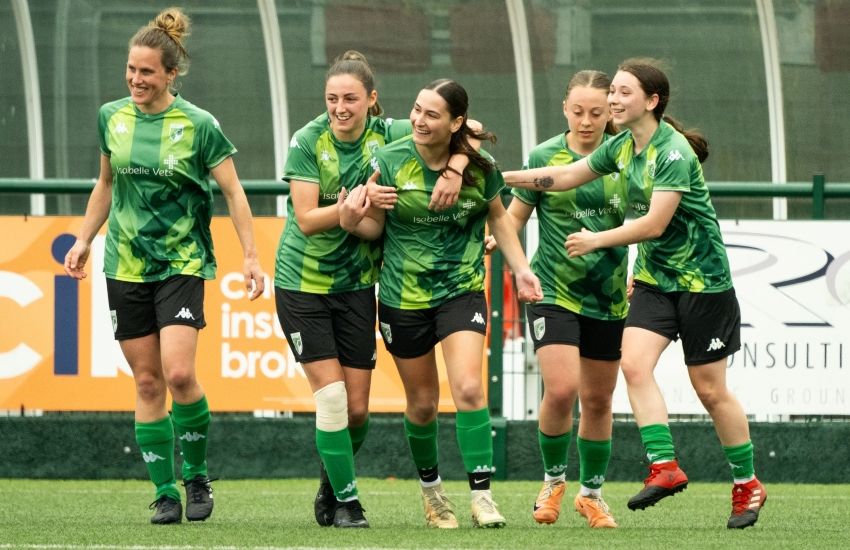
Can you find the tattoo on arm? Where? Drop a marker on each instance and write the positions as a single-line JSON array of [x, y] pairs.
[[544, 183]]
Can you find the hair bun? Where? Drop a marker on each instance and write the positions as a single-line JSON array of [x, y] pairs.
[[173, 22]]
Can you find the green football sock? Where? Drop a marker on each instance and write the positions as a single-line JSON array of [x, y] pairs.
[[156, 441], [554, 450], [423, 443], [658, 443], [192, 422], [741, 461], [335, 450], [593, 458], [475, 439], [358, 435]]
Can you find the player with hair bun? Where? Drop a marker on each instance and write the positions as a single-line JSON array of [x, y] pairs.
[[157, 151]]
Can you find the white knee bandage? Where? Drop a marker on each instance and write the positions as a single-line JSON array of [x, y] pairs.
[[332, 407]]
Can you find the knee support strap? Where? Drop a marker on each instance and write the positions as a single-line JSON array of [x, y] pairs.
[[332, 407]]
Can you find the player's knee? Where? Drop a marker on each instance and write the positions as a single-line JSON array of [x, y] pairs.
[[332, 407], [470, 396], [596, 403], [149, 387], [711, 396], [634, 371], [560, 397], [421, 411], [181, 380], [357, 415]]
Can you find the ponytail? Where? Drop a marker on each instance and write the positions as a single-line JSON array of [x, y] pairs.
[[697, 141]]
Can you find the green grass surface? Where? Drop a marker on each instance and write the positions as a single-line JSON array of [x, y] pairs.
[[278, 514]]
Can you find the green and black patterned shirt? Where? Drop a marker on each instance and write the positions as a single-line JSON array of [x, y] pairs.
[[690, 254], [334, 260], [431, 257], [159, 221], [593, 285]]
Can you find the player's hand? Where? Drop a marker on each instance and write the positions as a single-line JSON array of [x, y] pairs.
[[528, 287], [630, 287], [380, 196], [490, 244], [352, 207], [75, 259], [255, 279], [446, 191], [579, 244]]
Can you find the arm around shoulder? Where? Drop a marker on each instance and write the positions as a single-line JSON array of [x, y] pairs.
[[552, 178]]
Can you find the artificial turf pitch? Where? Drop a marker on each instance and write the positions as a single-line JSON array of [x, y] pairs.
[[270, 514]]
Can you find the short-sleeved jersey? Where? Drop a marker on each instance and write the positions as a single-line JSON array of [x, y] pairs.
[[159, 221], [593, 285], [332, 261], [431, 257], [690, 254]]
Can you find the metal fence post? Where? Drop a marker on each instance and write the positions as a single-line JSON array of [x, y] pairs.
[[818, 206], [495, 366]]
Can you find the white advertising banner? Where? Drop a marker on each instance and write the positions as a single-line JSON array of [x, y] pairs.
[[792, 279]]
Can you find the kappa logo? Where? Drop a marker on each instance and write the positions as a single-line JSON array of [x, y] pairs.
[[716, 344], [150, 456], [184, 313], [482, 469], [114, 315], [373, 145], [349, 488], [557, 470], [408, 186], [650, 168], [595, 480], [373, 162], [674, 155], [297, 342], [175, 132], [293, 143], [121, 128], [539, 328], [387, 332], [325, 156], [192, 437], [478, 318]]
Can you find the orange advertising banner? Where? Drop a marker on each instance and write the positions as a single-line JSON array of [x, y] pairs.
[[57, 351]]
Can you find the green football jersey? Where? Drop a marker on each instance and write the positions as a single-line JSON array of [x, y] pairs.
[[159, 221], [593, 285], [334, 260], [430, 257], [690, 254]]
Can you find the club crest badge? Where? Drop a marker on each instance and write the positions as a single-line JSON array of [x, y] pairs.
[[175, 132], [387, 332], [539, 328], [296, 342]]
